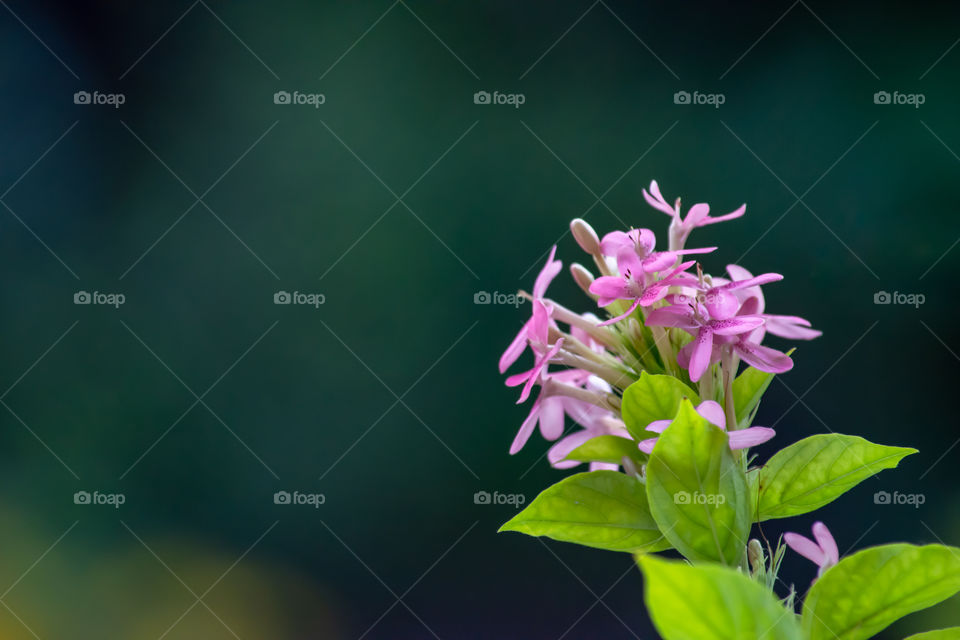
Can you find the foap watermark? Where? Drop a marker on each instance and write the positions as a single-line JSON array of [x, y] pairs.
[[312, 99], [912, 499], [485, 297], [712, 99], [912, 99], [97, 498], [912, 299], [107, 99], [98, 297], [515, 500], [298, 498], [512, 99], [685, 497], [298, 297]]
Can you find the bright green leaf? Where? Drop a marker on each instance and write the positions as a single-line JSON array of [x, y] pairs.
[[608, 449], [710, 602], [602, 509], [953, 633], [748, 388], [815, 471], [653, 397], [697, 491], [866, 592]]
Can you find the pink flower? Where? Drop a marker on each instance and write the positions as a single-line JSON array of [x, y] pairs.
[[537, 373], [697, 216], [823, 552], [636, 285], [641, 242], [712, 412], [537, 328]]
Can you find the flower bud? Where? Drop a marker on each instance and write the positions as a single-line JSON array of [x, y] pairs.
[[582, 277], [585, 236], [755, 555]]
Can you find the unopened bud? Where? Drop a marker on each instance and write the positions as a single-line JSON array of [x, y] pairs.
[[582, 277], [585, 236], [755, 555]]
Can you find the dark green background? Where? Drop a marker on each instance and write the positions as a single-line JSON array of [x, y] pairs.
[[878, 212]]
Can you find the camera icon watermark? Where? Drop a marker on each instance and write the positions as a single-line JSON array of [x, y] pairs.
[[110, 299], [110, 99], [97, 498], [300, 499], [485, 297], [712, 99], [512, 99], [912, 99], [712, 499], [312, 99], [896, 498], [516, 500], [911, 299], [310, 299]]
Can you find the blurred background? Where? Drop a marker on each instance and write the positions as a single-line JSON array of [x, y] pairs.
[[198, 158]]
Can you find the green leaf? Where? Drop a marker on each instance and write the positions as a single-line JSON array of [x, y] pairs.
[[697, 491], [602, 509], [608, 449], [953, 633], [653, 397], [748, 388], [711, 602], [866, 592], [815, 471]]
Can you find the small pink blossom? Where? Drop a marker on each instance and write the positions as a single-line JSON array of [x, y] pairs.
[[697, 216], [823, 552], [712, 412]]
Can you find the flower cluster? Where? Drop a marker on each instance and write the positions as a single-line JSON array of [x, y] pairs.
[[666, 316], [661, 397]]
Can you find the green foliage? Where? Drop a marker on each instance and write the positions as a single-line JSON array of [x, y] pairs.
[[697, 491], [712, 603], [608, 449], [653, 397], [602, 509], [748, 388], [953, 633], [815, 471], [867, 591]]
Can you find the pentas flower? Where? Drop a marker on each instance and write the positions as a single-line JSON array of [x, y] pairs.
[[642, 242], [537, 328], [528, 378], [636, 285], [548, 409], [823, 552], [752, 302], [712, 412], [697, 216]]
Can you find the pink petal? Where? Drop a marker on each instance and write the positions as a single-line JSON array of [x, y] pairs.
[[526, 428], [647, 445], [657, 200], [658, 261], [609, 288], [547, 274], [736, 325], [654, 293], [763, 358], [752, 282], [721, 304], [739, 211], [645, 240], [675, 316], [805, 547], [712, 413], [697, 214], [615, 242], [603, 466], [684, 252], [746, 438], [537, 368], [518, 379], [791, 327], [551, 418], [628, 262], [823, 537], [562, 449], [515, 349], [539, 328], [658, 426], [702, 351], [633, 307]]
